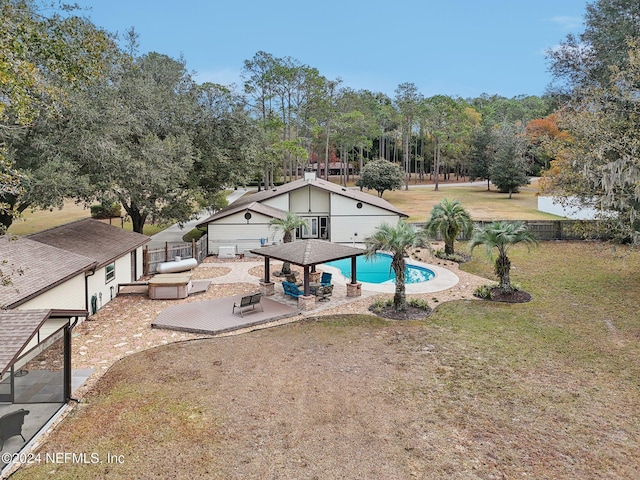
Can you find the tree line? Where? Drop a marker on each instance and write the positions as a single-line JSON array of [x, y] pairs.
[[85, 116]]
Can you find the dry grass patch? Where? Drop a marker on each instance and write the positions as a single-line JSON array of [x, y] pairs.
[[547, 389], [417, 202]]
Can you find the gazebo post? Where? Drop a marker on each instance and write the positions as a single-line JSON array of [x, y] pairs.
[[354, 289], [353, 270], [267, 286], [306, 280], [267, 273]]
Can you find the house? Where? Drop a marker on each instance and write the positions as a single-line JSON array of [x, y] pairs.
[[117, 254], [53, 279], [332, 212], [42, 276]]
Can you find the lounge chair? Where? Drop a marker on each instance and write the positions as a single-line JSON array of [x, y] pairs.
[[11, 425]]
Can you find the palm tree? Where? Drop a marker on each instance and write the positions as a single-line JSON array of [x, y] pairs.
[[502, 235], [449, 218], [396, 240], [288, 225]]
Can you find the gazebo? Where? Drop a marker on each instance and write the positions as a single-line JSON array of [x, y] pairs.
[[307, 254]]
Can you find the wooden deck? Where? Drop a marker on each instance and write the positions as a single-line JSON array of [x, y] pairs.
[[215, 316]]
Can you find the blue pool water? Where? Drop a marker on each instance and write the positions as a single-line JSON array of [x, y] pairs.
[[378, 270]]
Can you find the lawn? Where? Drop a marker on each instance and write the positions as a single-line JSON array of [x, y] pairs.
[[481, 204], [547, 389], [39, 220]]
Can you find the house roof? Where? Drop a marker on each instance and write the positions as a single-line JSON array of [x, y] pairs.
[[354, 194], [308, 252], [17, 328], [93, 239], [34, 267], [252, 207]]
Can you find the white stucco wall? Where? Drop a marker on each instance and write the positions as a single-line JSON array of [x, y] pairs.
[[68, 295], [309, 200], [245, 235], [546, 204], [106, 291]]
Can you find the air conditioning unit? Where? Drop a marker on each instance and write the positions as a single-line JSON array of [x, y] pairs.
[[227, 251]]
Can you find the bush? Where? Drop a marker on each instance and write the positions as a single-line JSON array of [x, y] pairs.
[[454, 257], [105, 210], [419, 303], [193, 234], [484, 291]]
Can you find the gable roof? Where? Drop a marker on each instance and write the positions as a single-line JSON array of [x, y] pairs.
[[252, 207], [34, 268], [17, 328], [94, 239], [354, 194]]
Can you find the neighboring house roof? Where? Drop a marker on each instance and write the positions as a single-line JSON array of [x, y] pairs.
[[34, 268], [252, 207], [308, 252], [354, 194], [92, 238], [17, 328]]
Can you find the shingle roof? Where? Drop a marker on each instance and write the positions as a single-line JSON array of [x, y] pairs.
[[308, 252], [35, 267], [92, 238], [354, 194], [253, 207], [17, 327]]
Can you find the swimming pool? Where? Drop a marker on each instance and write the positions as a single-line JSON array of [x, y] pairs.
[[378, 270]]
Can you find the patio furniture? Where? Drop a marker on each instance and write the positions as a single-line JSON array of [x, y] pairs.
[[324, 292], [325, 279], [292, 289], [11, 425], [248, 301]]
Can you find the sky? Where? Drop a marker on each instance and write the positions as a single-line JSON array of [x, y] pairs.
[[460, 48]]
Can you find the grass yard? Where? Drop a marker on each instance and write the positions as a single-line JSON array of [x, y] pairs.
[[417, 202], [547, 389], [40, 220]]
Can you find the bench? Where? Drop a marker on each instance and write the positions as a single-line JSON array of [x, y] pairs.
[[292, 289], [248, 301]]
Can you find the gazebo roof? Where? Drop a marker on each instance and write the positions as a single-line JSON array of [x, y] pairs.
[[308, 252]]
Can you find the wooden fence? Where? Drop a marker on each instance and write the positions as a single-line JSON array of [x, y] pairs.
[[542, 229], [154, 257]]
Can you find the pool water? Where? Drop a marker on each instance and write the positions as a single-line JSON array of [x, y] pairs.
[[378, 270]]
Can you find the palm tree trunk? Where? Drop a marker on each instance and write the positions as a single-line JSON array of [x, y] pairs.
[[400, 297], [503, 268]]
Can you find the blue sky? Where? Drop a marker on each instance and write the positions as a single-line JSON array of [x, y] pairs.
[[452, 47]]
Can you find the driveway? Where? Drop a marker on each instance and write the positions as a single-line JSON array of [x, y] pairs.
[[174, 233]]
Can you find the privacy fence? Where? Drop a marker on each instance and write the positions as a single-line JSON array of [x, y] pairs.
[[153, 257], [544, 229]]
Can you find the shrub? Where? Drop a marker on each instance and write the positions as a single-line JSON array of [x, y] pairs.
[[454, 257], [419, 303], [484, 291], [105, 210], [193, 234]]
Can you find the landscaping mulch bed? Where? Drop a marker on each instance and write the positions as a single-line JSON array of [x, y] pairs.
[[411, 313], [517, 296]]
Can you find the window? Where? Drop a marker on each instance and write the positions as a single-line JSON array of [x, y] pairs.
[[110, 272]]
